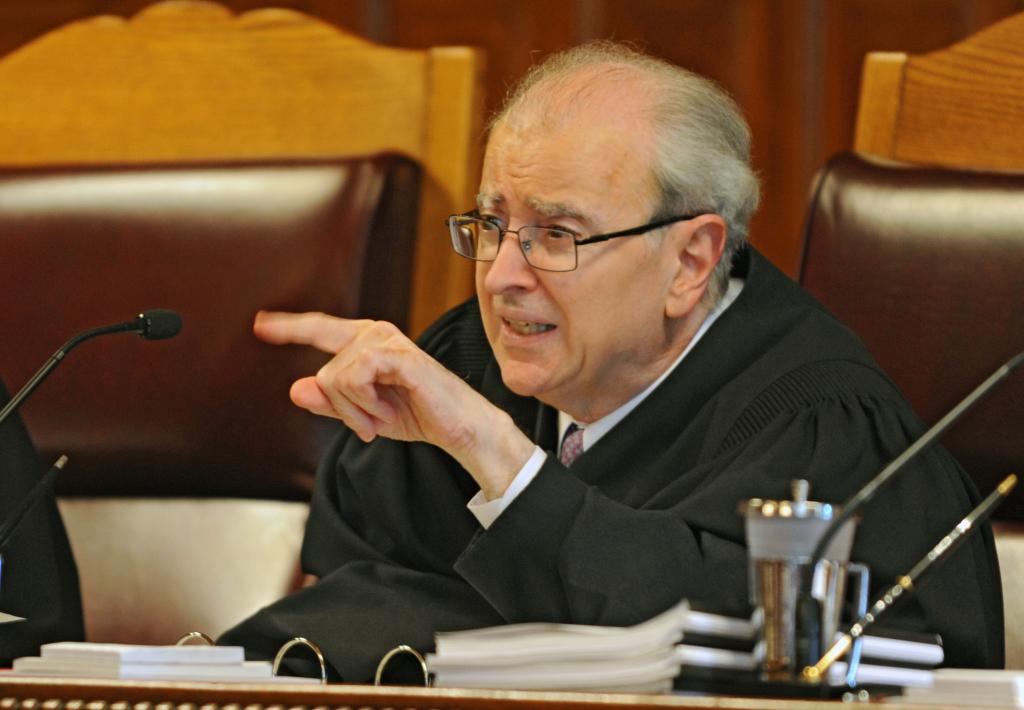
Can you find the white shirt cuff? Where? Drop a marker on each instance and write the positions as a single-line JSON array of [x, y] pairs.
[[487, 511]]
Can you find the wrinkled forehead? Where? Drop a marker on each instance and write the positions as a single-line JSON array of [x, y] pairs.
[[563, 161], [589, 99]]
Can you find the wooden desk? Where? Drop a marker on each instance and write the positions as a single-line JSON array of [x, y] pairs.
[[74, 694]]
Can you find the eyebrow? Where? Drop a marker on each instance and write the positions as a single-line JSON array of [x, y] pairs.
[[485, 201], [556, 209], [544, 208]]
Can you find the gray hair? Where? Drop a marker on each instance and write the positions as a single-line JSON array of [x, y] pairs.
[[701, 142]]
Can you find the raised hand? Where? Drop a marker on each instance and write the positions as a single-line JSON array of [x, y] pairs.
[[381, 384]]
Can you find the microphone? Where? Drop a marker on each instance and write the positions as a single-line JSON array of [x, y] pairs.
[[155, 324], [808, 611]]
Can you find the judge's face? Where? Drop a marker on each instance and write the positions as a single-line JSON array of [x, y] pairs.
[[583, 341]]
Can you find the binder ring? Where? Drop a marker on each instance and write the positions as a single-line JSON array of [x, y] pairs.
[[300, 641], [386, 658], [192, 636]]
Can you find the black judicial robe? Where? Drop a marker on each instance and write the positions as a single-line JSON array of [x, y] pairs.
[[777, 389], [39, 579]]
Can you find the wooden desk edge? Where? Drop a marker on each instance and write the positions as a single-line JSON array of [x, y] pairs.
[[20, 693]]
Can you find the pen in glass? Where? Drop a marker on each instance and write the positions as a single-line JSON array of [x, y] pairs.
[[907, 582]]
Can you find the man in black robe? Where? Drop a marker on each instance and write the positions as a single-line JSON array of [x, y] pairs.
[[616, 295]]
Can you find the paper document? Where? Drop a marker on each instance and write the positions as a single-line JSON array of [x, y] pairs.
[[222, 664], [638, 658], [971, 687], [251, 671], [120, 653]]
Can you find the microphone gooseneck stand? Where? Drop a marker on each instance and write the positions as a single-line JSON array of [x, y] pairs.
[[155, 324], [808, 611]]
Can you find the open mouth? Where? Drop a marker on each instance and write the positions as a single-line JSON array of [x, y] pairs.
[[522, 327]]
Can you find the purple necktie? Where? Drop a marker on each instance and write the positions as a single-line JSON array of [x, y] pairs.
[[572, 445]]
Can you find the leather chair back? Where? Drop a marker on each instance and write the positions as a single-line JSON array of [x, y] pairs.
[[925, 264], [205, 413]]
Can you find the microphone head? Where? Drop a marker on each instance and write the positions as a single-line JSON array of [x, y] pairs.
[[158, 324]]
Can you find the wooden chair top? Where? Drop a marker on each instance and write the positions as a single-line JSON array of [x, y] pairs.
[[962, 106], [186, 80]]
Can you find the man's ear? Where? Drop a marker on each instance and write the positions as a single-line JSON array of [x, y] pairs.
[[697, 247]]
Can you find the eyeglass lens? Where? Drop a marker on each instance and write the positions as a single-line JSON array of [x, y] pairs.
[[544, 248]]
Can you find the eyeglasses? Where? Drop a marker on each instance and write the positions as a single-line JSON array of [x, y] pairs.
[[545, 248]]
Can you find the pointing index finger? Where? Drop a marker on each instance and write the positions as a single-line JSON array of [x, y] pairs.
[[324, 332]]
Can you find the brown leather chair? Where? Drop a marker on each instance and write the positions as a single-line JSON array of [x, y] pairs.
[[185, 158], [207, 412], [922, 257], [186, 426]]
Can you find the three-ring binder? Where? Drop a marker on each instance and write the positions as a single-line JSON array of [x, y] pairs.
[[318, 652], [300, 641], [402, 648]]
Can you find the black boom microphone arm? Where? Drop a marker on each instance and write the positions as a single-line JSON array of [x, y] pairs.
[[155, 324], [808, 614]]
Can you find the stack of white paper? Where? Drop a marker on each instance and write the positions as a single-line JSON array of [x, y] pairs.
[[639, 658], [926, 653], [125, 661], [873, 674], [971, 687], [693, 644]]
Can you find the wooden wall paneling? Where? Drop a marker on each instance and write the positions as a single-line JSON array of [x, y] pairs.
[[513, 35], [983, 14], [779, 90], [697, 34]]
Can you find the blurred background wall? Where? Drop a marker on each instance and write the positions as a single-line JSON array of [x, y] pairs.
[[793, 65]]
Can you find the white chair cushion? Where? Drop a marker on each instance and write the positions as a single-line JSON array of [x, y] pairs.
[[1010, 547], [154, 569]]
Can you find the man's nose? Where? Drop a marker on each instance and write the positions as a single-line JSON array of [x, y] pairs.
[[509, 268]]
